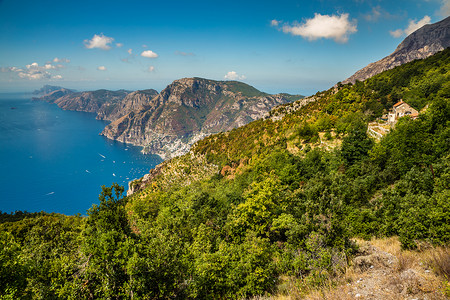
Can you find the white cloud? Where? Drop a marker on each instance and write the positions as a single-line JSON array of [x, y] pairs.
[[149, 54], [99, 41], [130, 51], [445, 8], [144, 46], [232, 75], [10, 69], [274, 23], [374, 15], [412, 26], [181, 53], [118, 45], [101, 68], [34, 65], [33, 71], [34, 75], [377, 14], [57, 77], [151, 69], [396, 33], [61, 60], [323, 26]]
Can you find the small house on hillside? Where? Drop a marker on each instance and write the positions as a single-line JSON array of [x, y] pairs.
[[401, 109]]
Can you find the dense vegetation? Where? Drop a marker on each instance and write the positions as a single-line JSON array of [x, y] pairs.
[[272, 204]]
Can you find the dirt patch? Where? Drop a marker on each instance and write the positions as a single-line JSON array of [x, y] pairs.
[[382, 271]]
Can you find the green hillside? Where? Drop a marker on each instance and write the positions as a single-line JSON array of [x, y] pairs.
[[250, 211]]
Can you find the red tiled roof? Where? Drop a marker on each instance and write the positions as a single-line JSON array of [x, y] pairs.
[[399, 103]]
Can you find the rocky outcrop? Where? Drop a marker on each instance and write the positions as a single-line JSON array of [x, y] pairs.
[[422, 43], [278, 112], [188, 110], [108, 105], [101, 102], [133, 101]]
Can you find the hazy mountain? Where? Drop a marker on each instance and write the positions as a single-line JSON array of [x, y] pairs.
[[47, 89]]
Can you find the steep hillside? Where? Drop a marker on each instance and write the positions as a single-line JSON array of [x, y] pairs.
[[269, 208], [100, 102], [132, 102], [273, 204], [107, 105], [190, 109], [422, 43]]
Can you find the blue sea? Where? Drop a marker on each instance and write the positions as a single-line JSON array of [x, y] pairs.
[[55, 161]]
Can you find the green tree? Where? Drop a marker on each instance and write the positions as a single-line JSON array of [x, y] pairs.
[[355, 146], [108, 243]]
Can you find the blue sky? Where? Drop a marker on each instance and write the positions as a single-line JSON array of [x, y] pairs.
[[299, 47]]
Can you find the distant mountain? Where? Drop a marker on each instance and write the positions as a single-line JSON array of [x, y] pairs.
[[52, 96], [420, 44], [190, 109], [168, 123], [101, 102], [47, 89]]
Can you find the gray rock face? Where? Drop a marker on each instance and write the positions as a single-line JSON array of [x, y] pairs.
[[100, 102], [420, 44], [188, 110], [133, 101]]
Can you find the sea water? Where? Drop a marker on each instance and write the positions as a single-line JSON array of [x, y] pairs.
[[55, 161]]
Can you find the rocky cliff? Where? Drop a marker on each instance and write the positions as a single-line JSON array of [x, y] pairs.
[[190, 109], [100, 102], [133, 101], [420, 44]]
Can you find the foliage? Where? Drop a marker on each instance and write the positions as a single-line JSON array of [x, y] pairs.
[[253, 205]]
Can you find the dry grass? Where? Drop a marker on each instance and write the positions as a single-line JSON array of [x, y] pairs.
[[390, 245], [439, 261], [421, 274], [405, 261], [416, 272]]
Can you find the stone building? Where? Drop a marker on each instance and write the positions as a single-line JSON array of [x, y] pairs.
[[401, 109]]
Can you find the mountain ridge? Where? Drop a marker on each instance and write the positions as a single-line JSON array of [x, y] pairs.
[[170, 122], [101, 102], [420, 44], [47, 89], [189, 109]]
